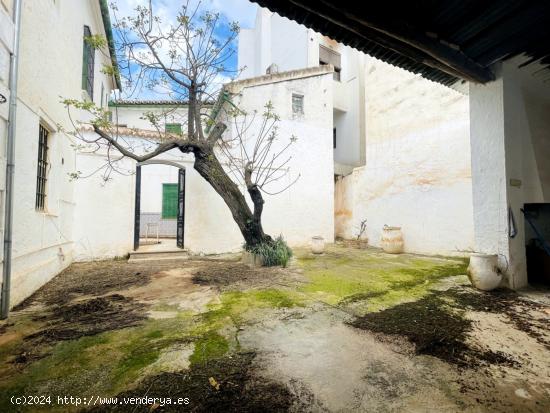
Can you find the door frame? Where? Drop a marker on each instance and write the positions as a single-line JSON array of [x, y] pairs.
[[181, 200]]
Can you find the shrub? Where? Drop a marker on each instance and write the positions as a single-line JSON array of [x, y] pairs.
[[273, 253]]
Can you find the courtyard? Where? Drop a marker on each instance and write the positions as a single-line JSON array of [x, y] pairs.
[[351, 329]]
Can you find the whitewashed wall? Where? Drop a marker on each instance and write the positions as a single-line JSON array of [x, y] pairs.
[[417, 173], [133, 115], [50, 69], [6, 46], [305, 210], [510, 144], [290, 46]]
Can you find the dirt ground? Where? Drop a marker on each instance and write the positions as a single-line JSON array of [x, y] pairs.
[[351, 330]]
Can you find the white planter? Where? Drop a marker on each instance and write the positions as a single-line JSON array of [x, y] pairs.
[[483, 271], [317, 245], [392, 240]]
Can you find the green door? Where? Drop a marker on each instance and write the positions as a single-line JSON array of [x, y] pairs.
[[169, 201]]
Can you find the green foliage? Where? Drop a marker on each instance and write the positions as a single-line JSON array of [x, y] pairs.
[[273, 253], [96, 41]]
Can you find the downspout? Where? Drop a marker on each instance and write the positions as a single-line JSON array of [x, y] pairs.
[[10, 165]]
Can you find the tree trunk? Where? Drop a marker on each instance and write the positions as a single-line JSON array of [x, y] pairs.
[[250, 224]]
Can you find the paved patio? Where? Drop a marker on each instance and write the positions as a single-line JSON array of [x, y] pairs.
[[350, 330]]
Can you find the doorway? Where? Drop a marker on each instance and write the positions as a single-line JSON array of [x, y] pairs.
[[537, 243], [157, 231]]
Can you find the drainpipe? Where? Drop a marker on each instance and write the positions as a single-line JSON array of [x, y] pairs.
[[10, 165]]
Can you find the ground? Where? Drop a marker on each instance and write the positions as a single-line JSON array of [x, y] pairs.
[[349, 330]]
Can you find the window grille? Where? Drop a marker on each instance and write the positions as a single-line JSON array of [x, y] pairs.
[[42, 172]]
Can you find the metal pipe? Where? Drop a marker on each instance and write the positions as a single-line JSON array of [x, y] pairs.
[[10, 165]]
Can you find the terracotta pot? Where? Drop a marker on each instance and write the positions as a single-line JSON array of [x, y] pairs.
[[392, 240], [483, 271]]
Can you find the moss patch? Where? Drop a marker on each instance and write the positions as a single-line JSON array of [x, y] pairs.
[[371, 280]]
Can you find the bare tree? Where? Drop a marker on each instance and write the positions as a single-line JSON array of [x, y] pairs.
[[185, 60]]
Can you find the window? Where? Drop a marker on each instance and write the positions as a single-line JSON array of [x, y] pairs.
[[330, 57], [41, 175], [297, 104], [169, 201], [88, 64], [173, 128], [334, 138]]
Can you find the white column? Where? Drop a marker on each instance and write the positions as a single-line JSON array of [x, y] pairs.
[[501, 154]]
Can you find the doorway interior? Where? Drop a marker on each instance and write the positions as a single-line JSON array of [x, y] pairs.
[[159, 214], [537, 243]]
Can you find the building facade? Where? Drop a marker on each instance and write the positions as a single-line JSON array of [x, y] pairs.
[[298, 213], [54, 63], [400, 142]]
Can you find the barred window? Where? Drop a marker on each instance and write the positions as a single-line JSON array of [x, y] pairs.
[[41, 175], [88, 64]]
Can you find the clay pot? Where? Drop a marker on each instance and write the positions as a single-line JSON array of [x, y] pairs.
[[483, 271], [392, 240]]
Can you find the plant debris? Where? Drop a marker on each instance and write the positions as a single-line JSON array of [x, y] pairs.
[[228, 276], [236, 389], [94, 278], [436, 324], [89, 317]]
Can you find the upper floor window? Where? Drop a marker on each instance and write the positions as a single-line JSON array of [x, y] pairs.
[[297, 104], [42, 173], [88, 58], [330, 57], [173, 128]]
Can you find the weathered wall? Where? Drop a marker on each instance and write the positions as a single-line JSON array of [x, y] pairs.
[[50, 68], [510, 151], [417, 172]]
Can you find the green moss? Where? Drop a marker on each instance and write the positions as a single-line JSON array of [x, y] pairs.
[[210, 346], [369, 280]]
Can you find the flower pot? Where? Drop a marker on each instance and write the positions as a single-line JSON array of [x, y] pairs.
[[317, 245], [483, 271], [392, 240]]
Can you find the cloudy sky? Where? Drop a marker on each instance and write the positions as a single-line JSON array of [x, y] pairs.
[[241, 11]]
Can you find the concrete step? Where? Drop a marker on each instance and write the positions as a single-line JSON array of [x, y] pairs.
[[140, 256]]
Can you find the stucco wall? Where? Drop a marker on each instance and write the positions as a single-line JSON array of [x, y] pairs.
[[417, 172], [510, 151], [291, 46], [304, 210], [50, 69], [6, 45]]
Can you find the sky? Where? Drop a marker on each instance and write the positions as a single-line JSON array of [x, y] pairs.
[[241, 11]]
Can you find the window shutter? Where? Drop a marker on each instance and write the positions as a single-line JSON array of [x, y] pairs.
[[173, 128]]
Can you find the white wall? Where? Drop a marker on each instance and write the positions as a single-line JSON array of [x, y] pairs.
[[291, 46], [417, 172], [133, 115], [50, 69], [304, 210], [510, 142], [6, 46]]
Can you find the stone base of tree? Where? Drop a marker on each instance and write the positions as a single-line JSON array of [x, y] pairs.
[[253, 260]]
